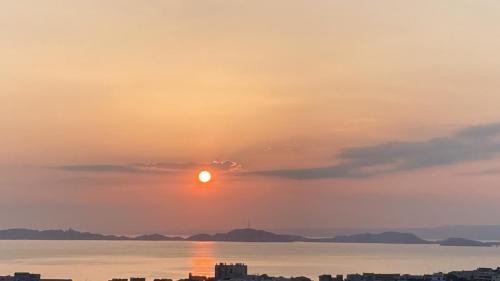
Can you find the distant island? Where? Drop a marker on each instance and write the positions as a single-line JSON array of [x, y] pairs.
[[240, 235], [249, 235], [466, 242], [389, 237]]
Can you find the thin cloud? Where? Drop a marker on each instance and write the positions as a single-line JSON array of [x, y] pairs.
[[487, 172], [98, 168], [468, 144], [226, 165], [153, 167]]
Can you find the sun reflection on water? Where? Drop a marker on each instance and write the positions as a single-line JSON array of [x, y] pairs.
[[203, 258]]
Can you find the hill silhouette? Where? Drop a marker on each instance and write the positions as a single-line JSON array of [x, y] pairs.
[[238, 235], [248, 235], [70, 234], [390, 237]]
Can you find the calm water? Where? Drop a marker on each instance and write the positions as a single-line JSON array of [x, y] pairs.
[[102, 260]]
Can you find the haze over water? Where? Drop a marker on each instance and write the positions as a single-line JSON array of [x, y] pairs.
[[103, 260]]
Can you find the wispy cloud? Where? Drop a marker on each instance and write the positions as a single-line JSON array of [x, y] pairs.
[[226, 165], [487, 172], [97, 168], [153, 167], [468, 144]]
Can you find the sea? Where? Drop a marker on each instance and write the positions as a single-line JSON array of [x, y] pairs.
[[104, 260]]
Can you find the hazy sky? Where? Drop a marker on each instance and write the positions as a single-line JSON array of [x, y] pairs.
[[309, 114]]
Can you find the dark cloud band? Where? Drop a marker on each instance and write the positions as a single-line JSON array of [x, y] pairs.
[[469, 144], [156, 167]]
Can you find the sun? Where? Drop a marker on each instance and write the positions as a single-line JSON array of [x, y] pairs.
[[204, 176]]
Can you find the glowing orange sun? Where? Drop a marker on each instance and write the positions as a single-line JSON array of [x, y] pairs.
[[204, 176]]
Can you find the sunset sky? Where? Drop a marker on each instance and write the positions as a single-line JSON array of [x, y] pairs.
[[324, 114]]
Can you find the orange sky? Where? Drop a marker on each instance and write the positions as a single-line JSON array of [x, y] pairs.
[[271, 86]]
